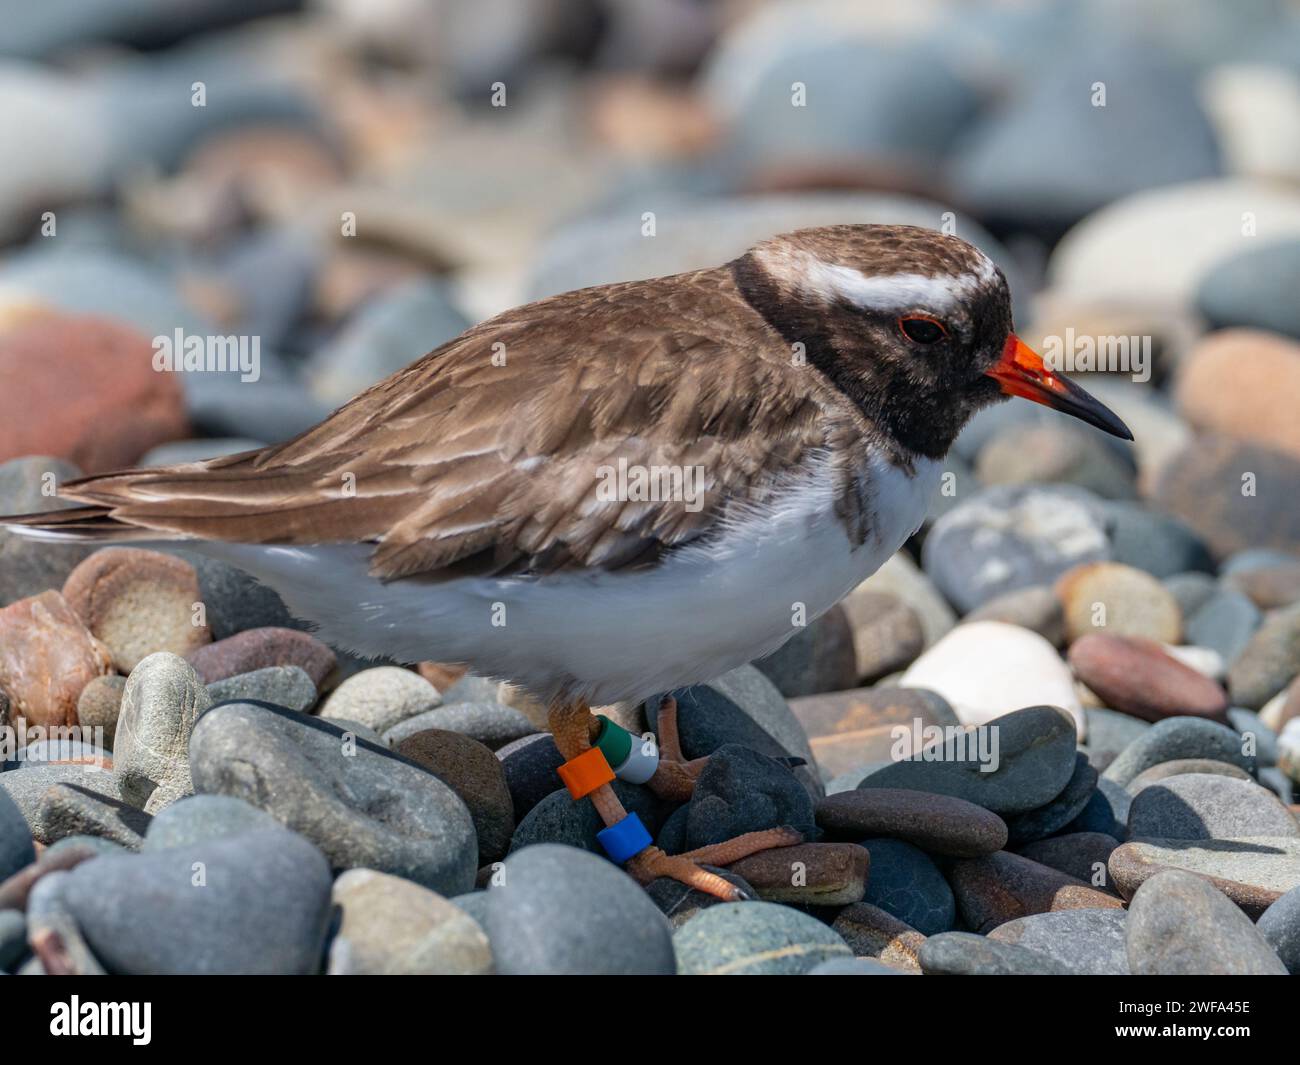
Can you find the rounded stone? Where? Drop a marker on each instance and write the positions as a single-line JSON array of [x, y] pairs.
[[99, 705], [396, 928], [198, 818], [743, 791], [474, 773], [1180, 925], [905, 883], [1206, 806], [940, 824], [362, 805], [1088, 942], [559, 910], [755, 939], [258, 648], [381, 698], [136, 602], [1175, 738], [967, 954], [287, 686], [263, 907], [1035, 759], [1137, 676], [1117, 599]]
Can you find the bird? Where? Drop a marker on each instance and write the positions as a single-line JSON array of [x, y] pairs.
[[621, 490]]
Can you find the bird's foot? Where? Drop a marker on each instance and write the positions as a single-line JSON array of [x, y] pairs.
[[675, 777], [653, 863]]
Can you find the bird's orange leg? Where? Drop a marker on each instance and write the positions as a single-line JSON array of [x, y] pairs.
[[574, 728]]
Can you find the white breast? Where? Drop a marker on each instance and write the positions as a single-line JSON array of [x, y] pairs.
[[609, 636]]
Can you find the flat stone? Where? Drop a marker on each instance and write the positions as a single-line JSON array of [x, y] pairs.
[[363, 806], [754, 939], [968, 668], [381, 698], [27, 787], [1206, 806], [1176, 738], [1280, 926], [397, 928], [1035, 760], [258, 648], [162, 701], [870, 932], [1181, 767], [1055, 815], [46, 657], [817, 874], [1088, 942], [1253, 871], [1139, 677], [905, 883], [473, 772], [69, 810], [559, 910], [1003, 887], [967, 954], [1119, 600], [197, 818], [1269, 661], [1180, 925], [263, 907], [493, 724], [287, 686], [940, 824], [137, 602], [1082, 855]]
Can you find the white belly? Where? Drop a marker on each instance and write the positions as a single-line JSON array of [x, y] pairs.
[[608, 636]]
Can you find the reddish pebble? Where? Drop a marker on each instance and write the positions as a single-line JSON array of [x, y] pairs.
[[46, 657], [259, 648], [84, 389], [1137, 676]]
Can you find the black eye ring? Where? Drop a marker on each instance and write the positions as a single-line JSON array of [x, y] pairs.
[[921, 329]]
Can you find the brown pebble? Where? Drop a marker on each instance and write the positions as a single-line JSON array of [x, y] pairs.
[[99, 704], [941, 824], [46, 657], [137, 602], [1119, 600], [1001, 887], [872, 933], [1269, 587], [824, 874], [259, 648], [1136, 676], [474, 773], [1253, 871], [14, 890]]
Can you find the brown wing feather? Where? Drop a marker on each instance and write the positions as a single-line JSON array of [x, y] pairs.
[[465, 462]]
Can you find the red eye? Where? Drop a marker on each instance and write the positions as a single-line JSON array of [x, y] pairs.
[[921, 330]]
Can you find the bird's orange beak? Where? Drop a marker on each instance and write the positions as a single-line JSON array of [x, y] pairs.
[[1021, 372]]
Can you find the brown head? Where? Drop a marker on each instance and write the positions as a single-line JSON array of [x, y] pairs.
[[912, 325]]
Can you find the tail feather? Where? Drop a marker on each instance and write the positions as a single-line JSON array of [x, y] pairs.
[[88, 524]]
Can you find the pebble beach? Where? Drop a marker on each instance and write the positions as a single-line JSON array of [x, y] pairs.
[[1058, 733]]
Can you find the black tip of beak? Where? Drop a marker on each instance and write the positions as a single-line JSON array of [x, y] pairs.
[[1082, 405]]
